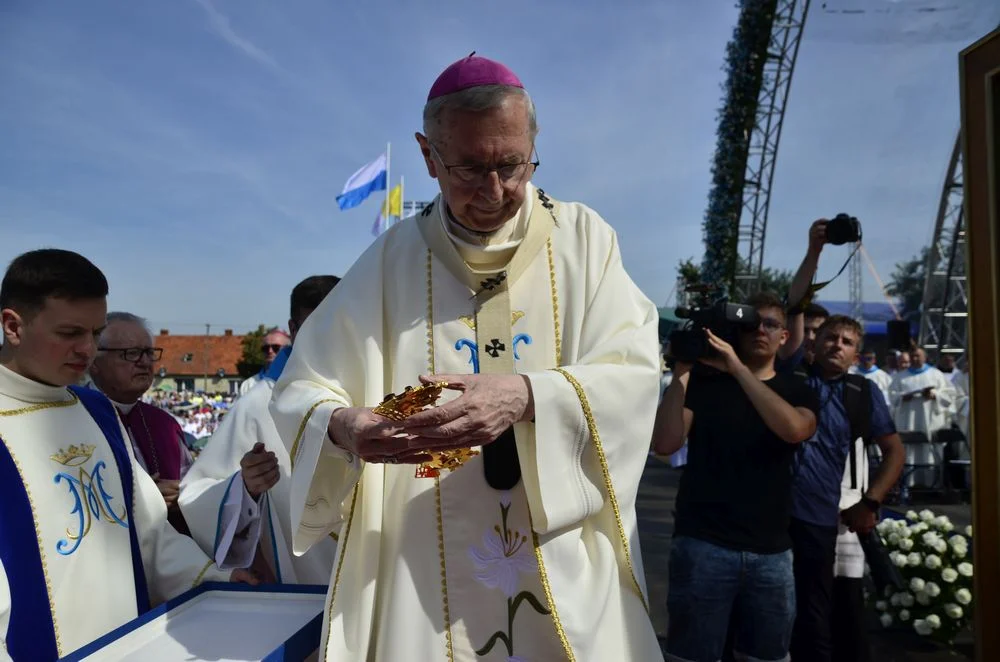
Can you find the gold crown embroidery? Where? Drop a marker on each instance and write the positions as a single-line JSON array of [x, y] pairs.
[[75, 455], [415, 399], [470, 320]]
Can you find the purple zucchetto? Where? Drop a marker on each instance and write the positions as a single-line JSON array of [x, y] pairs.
[[472, 71]]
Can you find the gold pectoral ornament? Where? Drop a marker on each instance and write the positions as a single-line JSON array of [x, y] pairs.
[[415, 399]]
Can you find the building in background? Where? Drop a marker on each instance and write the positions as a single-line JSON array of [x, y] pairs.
[[198, 363]]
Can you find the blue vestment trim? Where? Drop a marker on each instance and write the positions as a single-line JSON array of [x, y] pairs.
[[274, 543], [30, 632], [106, 417], [278, 364], [218, 518]]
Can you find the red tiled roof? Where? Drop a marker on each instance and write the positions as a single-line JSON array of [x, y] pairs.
[[222, 352]]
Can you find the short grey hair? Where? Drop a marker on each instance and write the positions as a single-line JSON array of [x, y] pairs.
[[477, 99], [127, 318]]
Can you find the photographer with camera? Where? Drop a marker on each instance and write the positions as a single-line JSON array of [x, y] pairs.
[[834, 509], [743, 423], [805, 316]]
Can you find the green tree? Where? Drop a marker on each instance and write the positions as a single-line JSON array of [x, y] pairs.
[[907, 283], [771, 280], [253, 355]]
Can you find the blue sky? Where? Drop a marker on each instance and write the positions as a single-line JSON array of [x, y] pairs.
[[193, 148]]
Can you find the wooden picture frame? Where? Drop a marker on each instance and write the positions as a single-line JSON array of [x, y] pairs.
[[979, 79]]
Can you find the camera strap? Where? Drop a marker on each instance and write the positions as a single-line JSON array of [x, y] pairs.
[[816, 287]]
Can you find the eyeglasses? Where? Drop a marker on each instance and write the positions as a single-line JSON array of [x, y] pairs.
[[770, 325], [135, 354], [479, 174], [272, 348]]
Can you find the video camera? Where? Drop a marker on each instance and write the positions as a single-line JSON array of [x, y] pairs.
[[724, 319]]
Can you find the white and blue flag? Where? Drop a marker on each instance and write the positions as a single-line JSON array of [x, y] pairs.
[[372, 177]]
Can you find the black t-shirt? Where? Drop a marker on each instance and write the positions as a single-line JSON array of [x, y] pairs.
[[736, 487]]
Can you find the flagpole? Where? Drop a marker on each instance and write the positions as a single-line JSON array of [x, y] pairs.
[[388, 177]]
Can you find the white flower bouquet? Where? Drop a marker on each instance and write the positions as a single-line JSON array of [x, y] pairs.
[[935, 561]]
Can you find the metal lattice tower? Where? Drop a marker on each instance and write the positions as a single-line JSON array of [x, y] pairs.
[[856, 289], [945, 310], [783, 48]]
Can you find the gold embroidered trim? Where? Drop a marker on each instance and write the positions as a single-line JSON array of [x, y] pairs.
[[555, 300], [543, 577], [39, 406], [444, 573], [38, 541], [430, 311], [201, 575], [606, 472], [302, 429], [449, 645], [340, 566]]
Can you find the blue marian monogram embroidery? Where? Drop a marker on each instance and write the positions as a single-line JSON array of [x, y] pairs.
[[499, 563], [91, 500]]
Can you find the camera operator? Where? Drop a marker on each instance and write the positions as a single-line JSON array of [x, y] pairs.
[[830, 505], [731, 547]]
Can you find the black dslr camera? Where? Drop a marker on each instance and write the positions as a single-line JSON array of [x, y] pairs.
[[843, 229], [724, 319]]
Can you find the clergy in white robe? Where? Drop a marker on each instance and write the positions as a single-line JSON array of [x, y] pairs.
[[923, 399], [85, 545], [528, 551], [215, 498], [272, 344]]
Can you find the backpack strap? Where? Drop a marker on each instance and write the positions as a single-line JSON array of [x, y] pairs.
[[857, 404]]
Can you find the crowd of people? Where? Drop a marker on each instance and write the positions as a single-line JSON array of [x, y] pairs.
[[500, 522], [198, 413]]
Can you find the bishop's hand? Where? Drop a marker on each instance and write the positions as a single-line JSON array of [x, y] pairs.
[[488, 405], [373, 438]]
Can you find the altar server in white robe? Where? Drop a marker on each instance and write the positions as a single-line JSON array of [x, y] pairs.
[[922, 397], [528, 551], [238, 488], [84, 541], [868, 367]]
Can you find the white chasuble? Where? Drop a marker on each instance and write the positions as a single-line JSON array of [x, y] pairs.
[[449, 568], [87, 557], [217, 507]]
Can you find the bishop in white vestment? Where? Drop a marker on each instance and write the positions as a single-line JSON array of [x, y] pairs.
[[528, 551]]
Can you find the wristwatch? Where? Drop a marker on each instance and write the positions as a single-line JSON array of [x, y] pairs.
[[870, 503]]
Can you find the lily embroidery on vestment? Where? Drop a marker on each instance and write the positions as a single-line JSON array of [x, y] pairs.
[[504, 556]]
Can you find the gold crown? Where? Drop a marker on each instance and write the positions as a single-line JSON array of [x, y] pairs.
[[75, 455], [412, 400]]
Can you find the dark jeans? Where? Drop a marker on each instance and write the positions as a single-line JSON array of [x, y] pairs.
[[850, 636], [707, 583], [815, 548]]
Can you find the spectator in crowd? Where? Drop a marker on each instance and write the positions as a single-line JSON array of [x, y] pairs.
[[832, 502]]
